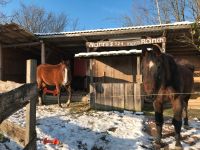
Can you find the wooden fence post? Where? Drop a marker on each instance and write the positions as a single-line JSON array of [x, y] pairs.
[[30, 135], [138, 101]]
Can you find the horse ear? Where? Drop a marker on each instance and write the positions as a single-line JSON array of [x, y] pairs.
[[144, 50], [67, 62], [157, 49], [62, 61]]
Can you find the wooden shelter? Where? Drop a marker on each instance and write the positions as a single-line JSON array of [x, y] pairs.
[[16, 46], [117, 70]]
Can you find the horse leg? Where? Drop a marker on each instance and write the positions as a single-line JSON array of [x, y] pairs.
[[177, 120], [58, 91], [158, 108], [39, 84], [185, 112], [68, 89]]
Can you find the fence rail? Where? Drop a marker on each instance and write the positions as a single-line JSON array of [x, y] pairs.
[[14, 100]]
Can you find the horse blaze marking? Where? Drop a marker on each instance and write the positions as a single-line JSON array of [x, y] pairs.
[[65, 77], [151, 64]]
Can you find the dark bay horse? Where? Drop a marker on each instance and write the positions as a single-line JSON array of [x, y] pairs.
[[57, 75], [166, 80]]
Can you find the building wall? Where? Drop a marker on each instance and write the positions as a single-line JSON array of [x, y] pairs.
[[114, 69], [14, 64]]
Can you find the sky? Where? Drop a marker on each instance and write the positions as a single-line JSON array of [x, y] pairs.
[[92, 14]]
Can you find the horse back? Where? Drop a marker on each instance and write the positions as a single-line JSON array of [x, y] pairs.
[[50, 74], [186, 78]]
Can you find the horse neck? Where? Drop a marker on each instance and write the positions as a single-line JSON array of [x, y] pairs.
[[172, 75]]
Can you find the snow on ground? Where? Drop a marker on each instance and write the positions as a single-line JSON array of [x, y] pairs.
[[79, 129], [97, 130], [87, 130], [6, 86]]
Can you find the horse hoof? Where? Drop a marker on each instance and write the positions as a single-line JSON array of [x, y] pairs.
[[187, 127], [60, 105], [178, 146], [158, 146]]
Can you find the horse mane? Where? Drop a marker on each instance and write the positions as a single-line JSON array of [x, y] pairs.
[[171, 71]]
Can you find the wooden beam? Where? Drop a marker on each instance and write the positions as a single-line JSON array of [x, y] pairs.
[[138, 102], [30, 135], [14, 100], [138, 75], [43, 52], [21, 45], [1, 62]]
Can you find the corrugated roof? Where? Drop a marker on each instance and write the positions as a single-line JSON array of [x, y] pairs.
[[185, 24], [15, 34]]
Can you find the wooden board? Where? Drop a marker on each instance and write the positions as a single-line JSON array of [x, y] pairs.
[[129, 96], [194, 103], [108, 99], [118, 96], [13, 100]]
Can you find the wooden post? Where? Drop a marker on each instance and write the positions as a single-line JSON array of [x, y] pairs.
[[30, 135], [1, 62], [42, 53], [90, 81], [92, 94], [138, 102]]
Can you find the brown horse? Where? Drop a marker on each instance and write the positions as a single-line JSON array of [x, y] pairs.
[[166, 80], [57, 75]]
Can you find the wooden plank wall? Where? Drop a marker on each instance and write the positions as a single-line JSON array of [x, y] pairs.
[[114, 79], [114, 96], [114, 69]]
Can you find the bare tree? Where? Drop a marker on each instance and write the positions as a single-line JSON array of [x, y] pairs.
[[158, 11], [75, 24], [178, 9], [194, 8], [3, 2], [36, 19], [142, 13], [3, 17]]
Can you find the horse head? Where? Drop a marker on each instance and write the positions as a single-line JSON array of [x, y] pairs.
[[67, 72], [152, 69]]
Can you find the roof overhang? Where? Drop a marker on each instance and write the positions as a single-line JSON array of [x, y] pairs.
[[75, 41], [108, 53], [15, 36]]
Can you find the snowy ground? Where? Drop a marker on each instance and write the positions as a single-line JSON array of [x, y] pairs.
[[87, 130], [79, 129]]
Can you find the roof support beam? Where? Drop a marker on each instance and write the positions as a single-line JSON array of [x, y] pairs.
[[43, 54], [21, 45]]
